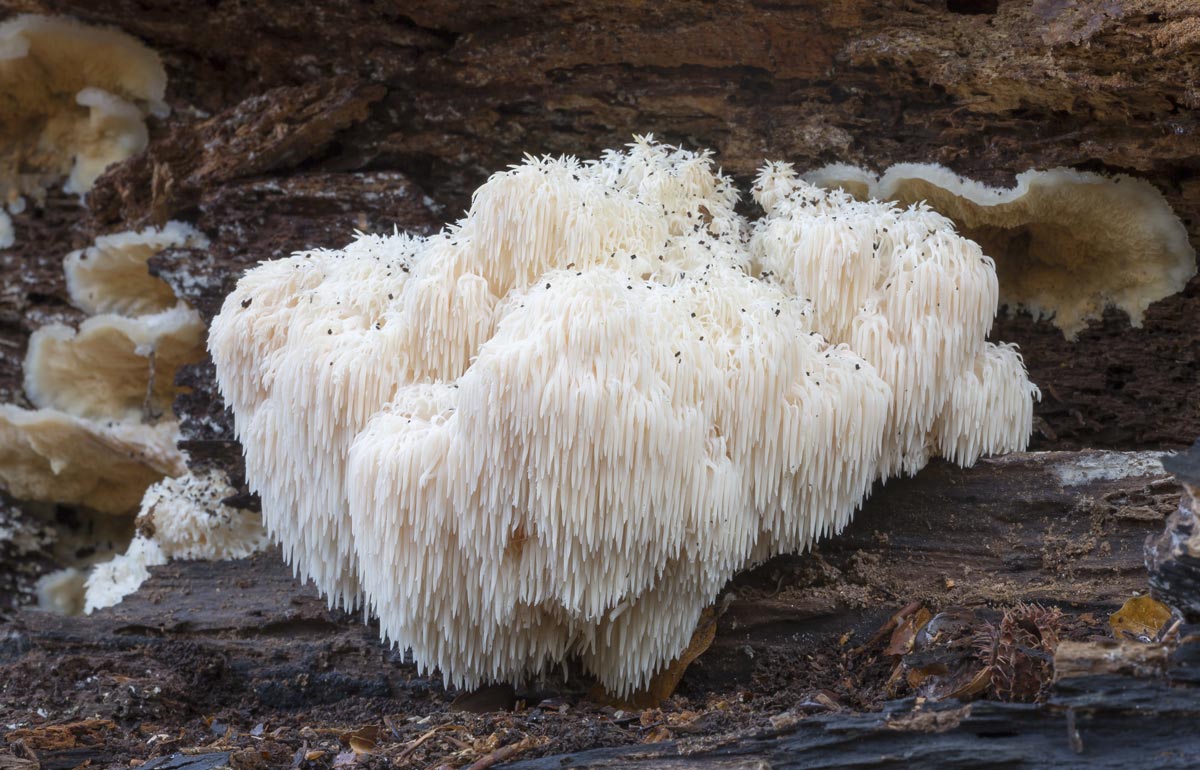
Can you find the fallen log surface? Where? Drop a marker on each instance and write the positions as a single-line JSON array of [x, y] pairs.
[[293, 124], [292, 128], [1086, 724], [204, 652]]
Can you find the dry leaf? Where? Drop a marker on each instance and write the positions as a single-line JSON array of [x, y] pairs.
[[1141, 618], [363, 740], [658, 735], [905, 634], [663, 684]]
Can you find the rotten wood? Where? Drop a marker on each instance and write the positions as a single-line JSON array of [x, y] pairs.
[[448, 92], [293, 125], [1173, 557], [243, 638]]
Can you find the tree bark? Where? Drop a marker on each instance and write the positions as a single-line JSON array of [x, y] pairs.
[[448, 92]]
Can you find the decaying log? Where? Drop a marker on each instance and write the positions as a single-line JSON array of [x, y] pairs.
[[294, 124], [1063, 529], [1173, 558], [1093, 721], [447, 92]]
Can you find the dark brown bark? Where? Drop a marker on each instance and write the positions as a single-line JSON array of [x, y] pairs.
[[447, 92], [242, 640]]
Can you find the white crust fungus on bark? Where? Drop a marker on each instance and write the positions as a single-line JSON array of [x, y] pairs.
[[73, 101], [558, 427], [1067, 243]]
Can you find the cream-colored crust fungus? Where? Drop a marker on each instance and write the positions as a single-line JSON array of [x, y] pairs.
[[73, 100], [1067, 244], [558, 427]]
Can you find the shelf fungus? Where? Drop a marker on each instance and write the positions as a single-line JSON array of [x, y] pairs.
[[557, 428], [73, 100], [1067, 244], [52, 456], [102, 430], [111, 275], [113, 366]]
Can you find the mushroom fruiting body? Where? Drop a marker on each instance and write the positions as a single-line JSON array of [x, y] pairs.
[[103, 431], [113, 366], [180, 518], [73, 101], [558, 427], [52, 456], [1067, 243], [111, 275]]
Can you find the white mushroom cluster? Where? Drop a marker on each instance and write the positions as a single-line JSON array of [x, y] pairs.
[[102, 430], [73, 100], [182, 518], [556, 428]]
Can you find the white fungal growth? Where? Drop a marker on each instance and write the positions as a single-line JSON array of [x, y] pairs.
[[1067, 244], [73, 101], [111, 276], [48, 455], [7, 236], [62, 591], [181, 518], [558, 427], [104, 429], [113, 366]]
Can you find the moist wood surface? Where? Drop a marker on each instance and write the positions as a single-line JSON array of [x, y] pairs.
[[285, 113], [241, 643]]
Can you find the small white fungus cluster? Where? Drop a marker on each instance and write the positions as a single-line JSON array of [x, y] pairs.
[[558, 427], [182, 518]]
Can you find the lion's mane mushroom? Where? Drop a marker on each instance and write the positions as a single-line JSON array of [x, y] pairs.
[[1067, 244], [903, 290], [73, 100], [559, 426]]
